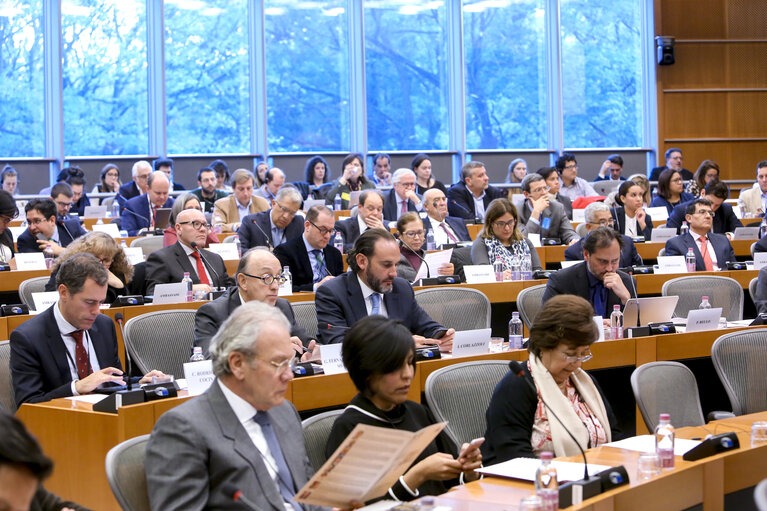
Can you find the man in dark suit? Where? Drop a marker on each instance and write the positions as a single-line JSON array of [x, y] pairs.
[[139, 212], [709, 248], [70, 348], [241, 433], [724, 217], [402, 197], [598, 215], [42, 220], [311, 259], [446, 229], [165, 165], [673, 161], [369, 216], [136, 186], [206, 269], [358, 293], [597, 279], [539, 214], [471, 197], [274, 227]]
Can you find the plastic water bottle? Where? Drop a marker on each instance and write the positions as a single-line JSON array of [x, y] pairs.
[[546, 483], [123, 245], [527, 262], [704, 303], [763, 227], [218, 224], [742, 208], [515, 332], [100, 221], [49, 256], [684, 229], [498, 269], [189, 290], [430, 245], [516, 267], [616, 323], [197, 354], [337, 203], [238, 244], [690, 260], [338, 242], [288, 285], [664, 441], [115, 208]]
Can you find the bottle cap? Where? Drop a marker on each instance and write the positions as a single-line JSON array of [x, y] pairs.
[[665, 417], [616, 307], [705, 297], [547, 455], [515, 314]]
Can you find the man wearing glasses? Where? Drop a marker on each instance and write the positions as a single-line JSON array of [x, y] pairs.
[[447, 229], [598, 215], [711, 249], [541, 215], [140, 212], [572, 186], [138, 185], [311, 259], [274, 227], [402, 197], [169, 264], [45, 230]]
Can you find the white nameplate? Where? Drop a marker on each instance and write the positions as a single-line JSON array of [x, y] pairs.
[[746, 233], [310, 203], [285, 289], [199, 376], [662, 234], [671, 264], [30, 261], [44, 299], [535, 239], [579, 216], [600, 327], [110, 229], [332, 363], [17, 231], [169, 293], [567, 264], [703, 319], [95, 212], [760, 260], [134, 254], [479, 273], [227, 251], [471, 342], [657, 213]]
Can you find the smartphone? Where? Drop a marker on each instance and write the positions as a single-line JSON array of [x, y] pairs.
[[472, 445]]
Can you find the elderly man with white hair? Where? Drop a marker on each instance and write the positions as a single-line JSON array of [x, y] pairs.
[[598, 215], [402, 197], [138, 185]]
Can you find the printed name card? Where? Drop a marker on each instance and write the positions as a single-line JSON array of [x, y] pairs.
[[703, 319], [199, 376], [471, 342], [535, 238], [310, 203], [600, 327], [285, 289], [760, 260], [671, 264], [657, 213], [134, 254], [479, 273], [95, 212], [169, 293], [44, 299], [30, 261], [110, 229], [227, 251], [579, 216], [332, 363], [662, 234]]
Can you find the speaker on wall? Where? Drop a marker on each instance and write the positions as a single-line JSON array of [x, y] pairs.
[[665, 49]]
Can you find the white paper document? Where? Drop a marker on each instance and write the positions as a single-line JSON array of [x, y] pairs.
[[760, 260], [134, 254], [524, 468], [88, 398], [646, 443], [110, 229], [657, 213], [434, 260]]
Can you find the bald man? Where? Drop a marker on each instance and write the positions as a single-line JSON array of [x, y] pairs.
[[139, 212], [447, 229]]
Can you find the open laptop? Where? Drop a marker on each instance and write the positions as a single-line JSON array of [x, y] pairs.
[[655, 309]]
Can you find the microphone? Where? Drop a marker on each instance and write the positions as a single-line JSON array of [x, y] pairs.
[[237, 496], [473, 215], [633, 288], [209, 266], [62, 224], [428, 270], [142, 217], [614, 209], [128, 361], [266, 236]]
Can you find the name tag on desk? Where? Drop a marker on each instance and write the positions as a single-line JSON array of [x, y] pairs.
[[110, 229], [671, 264], [44, 299], [134, 254], [227, 251], [662, 234], [30, 261], [546, 223], [657, 213], [479, 273], [579, 216], [471, 342], [169, 293], [703, 319], [199, 376], [332, 363], [760, 260]]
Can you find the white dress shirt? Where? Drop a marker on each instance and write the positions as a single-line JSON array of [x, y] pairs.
[[711, 252], [193, 261], [630, 229], [479, 205], [70, 344], [243, 211], [440, 236], [366, 292]]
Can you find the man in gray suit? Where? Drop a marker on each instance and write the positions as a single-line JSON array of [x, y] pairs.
[[241, 435], [541, 215]]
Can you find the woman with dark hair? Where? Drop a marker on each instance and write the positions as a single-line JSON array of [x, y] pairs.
[[670, 190], [518, 423], [352, 180], [517, 171], [551, 176], [380, 356], [316, 173], [412, 236], [261, 169], [707, 171], [629, 216], [109, 180], [501, 238], [182, 202], [8, 211], [421, 165]]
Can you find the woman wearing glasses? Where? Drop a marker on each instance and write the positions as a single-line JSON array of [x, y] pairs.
[[670, 191], [412, 238], [518, 423], [184, 201]]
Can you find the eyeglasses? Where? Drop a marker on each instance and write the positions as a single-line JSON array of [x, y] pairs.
[[705, 212], [64, 204], [572, 359], [142, 177], [604, 223], [406, 185], [285, 210], [323, 230], [280, 367], [267, 278], [196, 224], [504, 225], [414, 234], [571, 167], [540, 190], [36, 221]]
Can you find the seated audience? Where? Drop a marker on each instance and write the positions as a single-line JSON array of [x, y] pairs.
[[222, 175], [62, 195], [446, 229], [274, 180], [421, 166], [206, 190], [382, 169], [45, 230], [541, 215], [673, 162], [670, 191], [710, 248], [8, 211], [628, 214], [716, 193], [109, 180], [642, 181], [551, 176], [707, 171], [317, 175], [234, 208], [184, 201], [380, 356], [372, 287], [165, 165], [572, 186], [755, 197], [274, 227], [9, 180], [139, 183], [517, 171], [412, 238], [369, 216], [611, 169], [402, 197], [76, 179], [140, 212], [598, 215], [353, 179], [469, 198], [518, 424]]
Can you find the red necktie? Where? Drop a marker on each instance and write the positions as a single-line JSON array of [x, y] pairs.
[[201, 269], [447, 231], [153, 215], [704, 253], [81, 356], [404, 208]]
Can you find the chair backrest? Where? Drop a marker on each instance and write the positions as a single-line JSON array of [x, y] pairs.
[[108, 202], [161, 340], [740, 359], [581, 230], [753, 249], [662, 252], [529, 303], [606, 187], [316, 431], [6, 385], [126, 474], [667, 387], [760, 495], [722, 292], [29, 286], [456, 307], [306, 316], [752, 288], [148, 244], [230, 239], [460, 394]]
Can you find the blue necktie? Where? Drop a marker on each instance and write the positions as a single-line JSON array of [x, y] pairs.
[[286, 485], [375, 300], [276, 236], [322, 270]]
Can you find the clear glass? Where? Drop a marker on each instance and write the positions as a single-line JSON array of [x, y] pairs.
[[648, 466], [406, 75], [758, 433], [21, 74], [207, 76], [307, 75]]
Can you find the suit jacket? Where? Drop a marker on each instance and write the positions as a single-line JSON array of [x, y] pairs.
[[629, 255], [39, 362], [752, 199], [293, 253], [460, 200], [455, 223], [135, 215], [127, 192], [340, 305], [678, 245], [79, 206], [169, 264], [761, 245], [390, 208], [69, 230], [659, 201], [567, 203], [619, 216], [350, 229], [655, 173], [574, 281], [251, 236], [559, 226], [227, 210], [724, 218], [199, 448], [760, 298], [212, 315]]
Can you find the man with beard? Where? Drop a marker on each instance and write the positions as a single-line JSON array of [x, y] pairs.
[[372, 287]]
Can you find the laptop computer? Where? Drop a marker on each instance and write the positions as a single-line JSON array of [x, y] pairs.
[[655, 309], [162, 218]]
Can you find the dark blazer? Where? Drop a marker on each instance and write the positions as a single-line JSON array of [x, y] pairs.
[[340, 305], [39, 363], [567, 203], [574, 281], [212, 315], [251, 236], [678, 245], [659, 201], [761, 245], [460, 200], [127, 192], [724, 218], [169, 264], [79, 206], [619, 216], [455, 223], [390, 206], [69, 230], [760, 298], [655, 173], [135, 215], [350, 229], [629, 255], [293, 253]]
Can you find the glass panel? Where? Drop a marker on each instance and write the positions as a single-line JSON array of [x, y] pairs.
[[207, 76], [601, 73], [307, 75], [406, 75], [505, 58], [104, 77], [21, 73]]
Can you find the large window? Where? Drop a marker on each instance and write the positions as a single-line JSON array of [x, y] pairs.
[[406, 75], [21, 78], [104, 77], [207, 76]]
